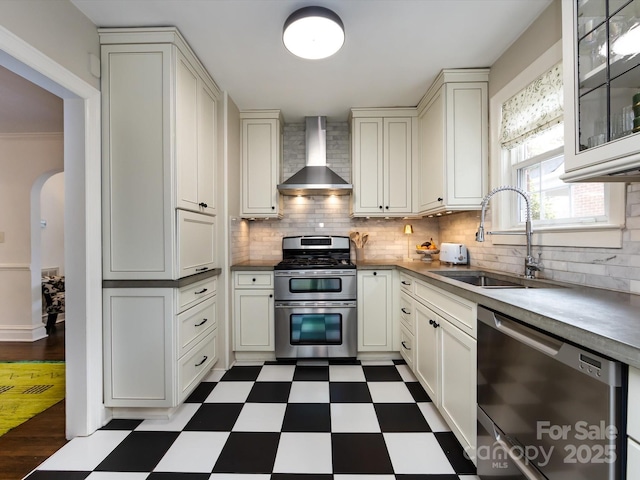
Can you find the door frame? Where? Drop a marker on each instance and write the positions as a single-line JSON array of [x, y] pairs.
[[85, 411]]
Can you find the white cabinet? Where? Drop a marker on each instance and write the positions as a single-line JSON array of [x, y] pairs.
[[253, 311], [195, 139], [196, 243], [599, 90], [451, 169], [445, 352], [633, 425], [633, 459], [159, 144], [159, 343], [261, 146], [382, 151], [406, 306], [375, 310]]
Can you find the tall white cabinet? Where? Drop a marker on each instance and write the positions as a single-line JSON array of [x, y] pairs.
[[382, 150], [451, 170], [160, 230]]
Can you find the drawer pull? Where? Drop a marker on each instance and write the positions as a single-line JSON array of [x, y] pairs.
[[405, 346], [201, 291], [201, 323], [202, 269], [405, 283], [405, 311], [203, 360]]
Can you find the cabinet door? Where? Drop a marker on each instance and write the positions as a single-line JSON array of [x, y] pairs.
[[206, 149], [260, 167], [397, 165], [633, 459], [458, 389], [431, 154], [139, 360], [375, 313], [196, 243], [427, 360], [368, 173], [254, 320]]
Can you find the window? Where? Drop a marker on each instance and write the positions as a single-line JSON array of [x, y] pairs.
[[527, 143]]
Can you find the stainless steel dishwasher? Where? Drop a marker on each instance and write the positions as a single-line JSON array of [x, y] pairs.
[[547, 409]]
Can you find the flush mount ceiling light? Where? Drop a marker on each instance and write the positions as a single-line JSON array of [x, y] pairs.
[[313, 33]]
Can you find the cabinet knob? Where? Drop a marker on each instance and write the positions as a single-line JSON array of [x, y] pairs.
[[387, 207], [431, 322], [273, 208], [436, 324], [375, 273], [271, 295], [439, 199], [203, 205], [253, 279]]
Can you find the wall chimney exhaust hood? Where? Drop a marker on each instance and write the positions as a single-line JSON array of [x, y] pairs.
[[315, 178]]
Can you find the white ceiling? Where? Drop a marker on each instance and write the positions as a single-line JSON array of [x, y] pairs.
[[393, 50]]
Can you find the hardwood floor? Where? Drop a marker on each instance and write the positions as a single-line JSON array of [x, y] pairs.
[[28, 445]]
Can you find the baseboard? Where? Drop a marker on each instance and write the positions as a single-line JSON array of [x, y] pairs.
[[22, 333]]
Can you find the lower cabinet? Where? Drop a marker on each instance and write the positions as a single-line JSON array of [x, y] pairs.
[[158, 343], [375, 310], [253, 312], [445, 355], [633, 425]]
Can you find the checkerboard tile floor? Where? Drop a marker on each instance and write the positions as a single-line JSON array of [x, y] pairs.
[[275, 421]]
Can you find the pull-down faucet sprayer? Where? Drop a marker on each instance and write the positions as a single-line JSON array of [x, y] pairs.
[[530, 264]]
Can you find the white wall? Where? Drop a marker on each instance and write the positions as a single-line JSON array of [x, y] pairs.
[[23, 160], [52, 212]]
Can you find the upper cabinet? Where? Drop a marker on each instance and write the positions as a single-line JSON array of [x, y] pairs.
[[261, 163], [159, 154], [602, 89], [382, 150], [451, 169]]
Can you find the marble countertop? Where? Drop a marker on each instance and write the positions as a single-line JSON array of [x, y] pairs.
[[605, 321]]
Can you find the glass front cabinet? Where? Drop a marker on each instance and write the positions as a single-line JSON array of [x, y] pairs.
[[601, 61]]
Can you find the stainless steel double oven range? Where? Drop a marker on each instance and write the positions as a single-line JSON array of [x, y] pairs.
[[315, 299]]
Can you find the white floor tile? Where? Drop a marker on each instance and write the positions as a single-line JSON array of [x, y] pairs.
[[249, 363], [193, 452], [433, 417], [309, 392], [240, 476], [230, 392], [363, 477], [214, 375], [416, 453], [260, 417], [390, 392], [276, 373], [85, 453], [176, 423], [304, 453], [468, 477], [367, 363], [406, 373], [346, 373], [117, 476], [354, 418]]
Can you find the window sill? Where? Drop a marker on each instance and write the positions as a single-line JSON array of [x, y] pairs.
[[592, 236]]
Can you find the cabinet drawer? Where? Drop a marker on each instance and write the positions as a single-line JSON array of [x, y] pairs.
[[407, 346], [196, 243], [194, 366], [254, 280], [461, 312], [407, 284], [192, 294], [633, 414], [406, 312], [194, 323]]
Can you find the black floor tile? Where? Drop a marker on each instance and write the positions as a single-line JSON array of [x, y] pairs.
[[401, 417], [399, 361], [344, 361], [307, 417], [311, 374], [301, 476], [269, 392], [138, 452], [284, 361], [360, 453], [349, 392], [426, 477], [248, 453], [201, 392], [455, 453], [381, 373], [57, 475], [417, 392], [214, 417], [122, 424], [178, 476], [241, 374]]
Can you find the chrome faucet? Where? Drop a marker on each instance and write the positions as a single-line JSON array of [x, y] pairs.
[[530, 264]]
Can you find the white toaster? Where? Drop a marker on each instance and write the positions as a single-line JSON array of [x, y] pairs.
[[454, 253]]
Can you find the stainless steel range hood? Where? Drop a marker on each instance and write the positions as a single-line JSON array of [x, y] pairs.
[[315, 178]]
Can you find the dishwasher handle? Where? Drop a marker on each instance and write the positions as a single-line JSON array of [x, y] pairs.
[[545, 344]]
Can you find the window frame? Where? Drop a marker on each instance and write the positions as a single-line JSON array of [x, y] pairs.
[[600, 234]]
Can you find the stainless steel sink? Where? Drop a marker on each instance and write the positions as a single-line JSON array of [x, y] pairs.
[[481, 278]]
